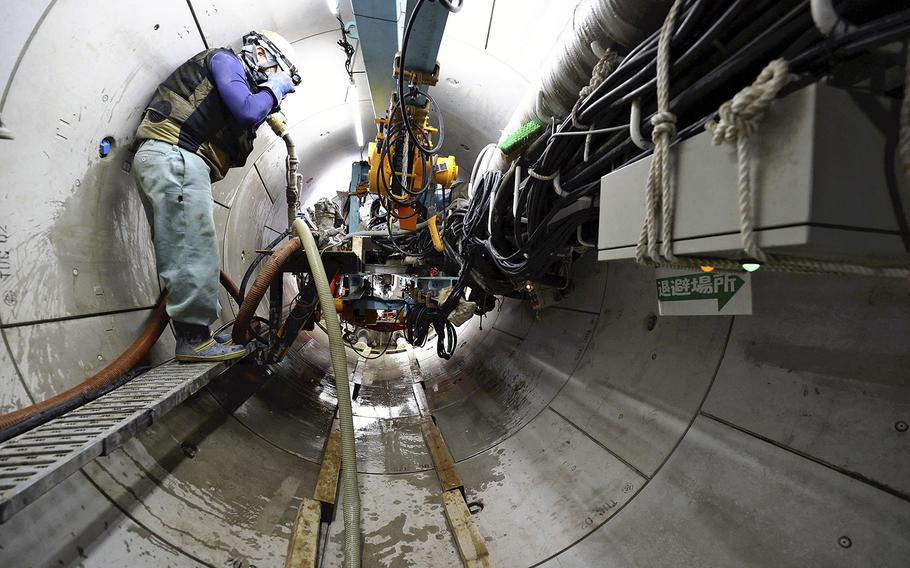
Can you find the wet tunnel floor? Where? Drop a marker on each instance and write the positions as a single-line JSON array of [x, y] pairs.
[[584, 438]]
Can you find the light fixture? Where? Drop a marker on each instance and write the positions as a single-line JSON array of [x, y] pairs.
[[355, 104], [401, 7], [706, 268], [333, 7], [750, 266]]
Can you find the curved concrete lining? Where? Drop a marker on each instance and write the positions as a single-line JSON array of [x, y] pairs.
[[592, 433]]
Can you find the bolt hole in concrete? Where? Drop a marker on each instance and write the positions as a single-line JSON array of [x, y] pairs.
[[651, 322], [106, 146], [475, 507], [845, 542], [900, 426], [189, 450]]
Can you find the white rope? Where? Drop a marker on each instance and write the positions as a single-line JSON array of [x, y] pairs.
[[738, 120], [542, 177], [660, 187], [604, 67]]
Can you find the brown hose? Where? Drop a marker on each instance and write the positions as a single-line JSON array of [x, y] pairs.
[[109, 375], [118, 367], [269, 272], [230, 287]]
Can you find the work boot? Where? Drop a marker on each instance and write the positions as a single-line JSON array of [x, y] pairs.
[[224, 337], [195, 344]]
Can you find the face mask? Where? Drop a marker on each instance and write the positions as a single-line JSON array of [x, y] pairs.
[[274, 58], [254, 71]]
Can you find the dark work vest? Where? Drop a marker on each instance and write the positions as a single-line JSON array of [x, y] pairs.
[[188, 111]]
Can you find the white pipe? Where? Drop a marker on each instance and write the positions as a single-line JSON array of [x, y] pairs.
[[350, 490], [381, 233], [557, 185], [581, 241], [354, 101], [590, 132], [515, 193], [826, 19], [596, 26], [635, 127]]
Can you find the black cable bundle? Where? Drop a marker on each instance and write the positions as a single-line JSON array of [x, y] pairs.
[[717, 47], [418, 320], [347, 47], [520, 227], [417, 243]]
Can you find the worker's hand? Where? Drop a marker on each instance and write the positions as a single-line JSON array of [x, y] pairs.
[[280, 84]]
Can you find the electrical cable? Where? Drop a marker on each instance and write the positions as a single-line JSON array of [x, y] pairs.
[[524, 226], [347, 47], [255, 263], [409, 26], [384, 349]]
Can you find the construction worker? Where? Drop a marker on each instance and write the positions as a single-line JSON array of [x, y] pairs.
[[201, 122]]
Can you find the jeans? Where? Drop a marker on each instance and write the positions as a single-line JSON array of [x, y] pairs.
[[177, 195]]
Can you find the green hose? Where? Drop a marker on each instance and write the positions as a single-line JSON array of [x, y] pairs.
[[351, 506]]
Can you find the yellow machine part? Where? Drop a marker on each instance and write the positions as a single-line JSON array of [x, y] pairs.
[[445, 171], [434, 234]]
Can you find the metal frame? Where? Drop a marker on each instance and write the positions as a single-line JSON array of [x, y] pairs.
[[32, 463]]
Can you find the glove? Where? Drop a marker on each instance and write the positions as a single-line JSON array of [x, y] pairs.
[[280, 84]]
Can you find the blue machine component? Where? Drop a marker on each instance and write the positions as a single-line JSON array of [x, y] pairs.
[[433, 200], [434, 284], [377, 26], [354, 285], [423, 46], [104, 148], [360, 172], [360, 298]]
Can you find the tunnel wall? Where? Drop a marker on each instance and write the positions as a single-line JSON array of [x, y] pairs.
[[79, 281], [592, 433]]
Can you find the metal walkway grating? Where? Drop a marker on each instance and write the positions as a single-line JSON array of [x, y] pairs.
[[34, 462]]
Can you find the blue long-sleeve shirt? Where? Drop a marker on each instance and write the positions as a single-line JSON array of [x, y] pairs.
[[230, 80]]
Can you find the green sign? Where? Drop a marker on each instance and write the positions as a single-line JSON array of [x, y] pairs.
[[721, 286]]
